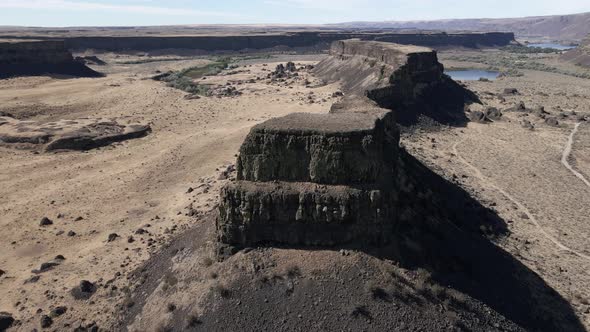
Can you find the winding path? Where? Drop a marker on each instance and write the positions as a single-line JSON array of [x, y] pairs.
[[566, 154], [521, 206]]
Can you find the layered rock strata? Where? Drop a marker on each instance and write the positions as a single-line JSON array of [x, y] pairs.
[[36, 57], [337, 178], [406, 79], [311, 39], [309, 179]]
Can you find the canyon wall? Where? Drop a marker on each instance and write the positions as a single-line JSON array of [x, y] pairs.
[[33, 57], [321, 40]]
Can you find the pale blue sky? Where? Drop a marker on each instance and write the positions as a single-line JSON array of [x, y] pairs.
[[151, 12]]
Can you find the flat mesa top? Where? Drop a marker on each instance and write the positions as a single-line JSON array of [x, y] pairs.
[[399, 48], [307, 123]]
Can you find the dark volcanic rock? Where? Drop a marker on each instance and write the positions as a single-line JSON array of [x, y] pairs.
[[307, 179], [112, 237], [493, 113], [406, 79], [46, 322], [58, 311], [47, 266], [84, 290], [552, 121], [510, 91], [31, 58], [350, 148], [45, 222], [302, 214], [317, 39], [6, 321], [477, 116]]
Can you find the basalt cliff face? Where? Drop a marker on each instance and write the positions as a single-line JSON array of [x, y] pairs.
[[337, 178], [406, 79], [318, 40], [23, 58]]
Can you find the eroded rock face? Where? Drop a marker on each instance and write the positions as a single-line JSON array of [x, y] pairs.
[[348, 148], [298, 213], [26, 57], [406, 79], [336, 178], [82, 134]]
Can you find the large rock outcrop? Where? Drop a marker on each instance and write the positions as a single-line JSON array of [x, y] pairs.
[[309, 179], [335, 178], [406, 79], [348, 148], [35, 57]]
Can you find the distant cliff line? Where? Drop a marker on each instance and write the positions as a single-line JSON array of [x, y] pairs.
[[295, 40]]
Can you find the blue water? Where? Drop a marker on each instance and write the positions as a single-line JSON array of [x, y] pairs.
[[472, 74], [552, 45]]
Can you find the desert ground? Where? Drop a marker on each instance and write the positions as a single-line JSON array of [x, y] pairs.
[[115, 207]]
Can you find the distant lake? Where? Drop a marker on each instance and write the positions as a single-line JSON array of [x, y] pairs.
[[472, 74], [552, 45]]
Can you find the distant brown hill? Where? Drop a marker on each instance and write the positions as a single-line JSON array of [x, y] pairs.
[[580, 55], [560, 27]]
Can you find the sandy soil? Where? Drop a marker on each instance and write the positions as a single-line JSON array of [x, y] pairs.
[[519, 173], [121, 188], [144, 183]]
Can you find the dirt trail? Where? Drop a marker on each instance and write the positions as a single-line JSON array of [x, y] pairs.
[[521, 206], [566, 154]]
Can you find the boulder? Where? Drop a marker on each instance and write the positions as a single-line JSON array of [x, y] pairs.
[[527, 124], [493, 113], [298, 213], [6, 321], [477, 116], [552, 121], [510, 91]]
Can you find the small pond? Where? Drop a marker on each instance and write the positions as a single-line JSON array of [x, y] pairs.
[[552, 45], [472, 74]]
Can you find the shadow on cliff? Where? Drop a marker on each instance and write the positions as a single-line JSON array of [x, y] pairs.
[[442, 104], [58, 71], [449, 235], [447, 232]]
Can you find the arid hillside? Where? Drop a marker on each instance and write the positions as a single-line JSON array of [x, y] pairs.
[[560, 27], [579, 55]]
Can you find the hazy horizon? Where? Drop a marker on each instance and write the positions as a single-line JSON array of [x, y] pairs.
[[69, 13]]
